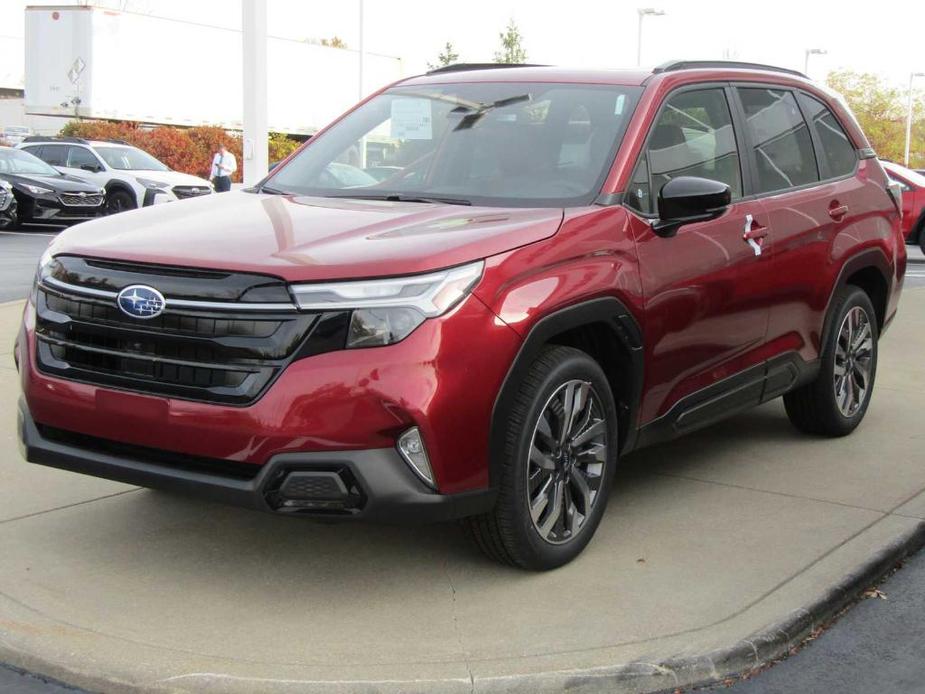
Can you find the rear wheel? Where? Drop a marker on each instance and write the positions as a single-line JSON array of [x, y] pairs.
[[119, 201], [561, 448], [835, 403]]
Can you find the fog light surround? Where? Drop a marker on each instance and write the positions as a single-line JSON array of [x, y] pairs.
[[412, 449]]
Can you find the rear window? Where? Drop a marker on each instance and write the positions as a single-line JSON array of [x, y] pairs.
[[839, 157], [780, 139]]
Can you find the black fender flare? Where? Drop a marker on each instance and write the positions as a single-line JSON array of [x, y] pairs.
[[116, 185], [872, 257], [609, 311]]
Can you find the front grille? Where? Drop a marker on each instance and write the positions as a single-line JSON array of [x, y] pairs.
[[224, 353], [81, 199], [191, 191]]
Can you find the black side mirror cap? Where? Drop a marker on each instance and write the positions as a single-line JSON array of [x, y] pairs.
[[689, 199]]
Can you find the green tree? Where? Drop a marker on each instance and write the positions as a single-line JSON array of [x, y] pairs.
[[447, 57], [512, 50], [881, 112]]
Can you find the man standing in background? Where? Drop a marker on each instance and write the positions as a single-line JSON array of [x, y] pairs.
[[223, 166]]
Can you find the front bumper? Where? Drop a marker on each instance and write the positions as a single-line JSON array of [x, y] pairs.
[[379, 485]]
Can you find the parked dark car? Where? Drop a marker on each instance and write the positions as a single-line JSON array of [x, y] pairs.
[[44, 195], [572, 265]]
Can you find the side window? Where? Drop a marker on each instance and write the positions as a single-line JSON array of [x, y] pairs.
[[78, 156], [692, 137], [780, 137], [838, 152], [36, 151], [56, 155]]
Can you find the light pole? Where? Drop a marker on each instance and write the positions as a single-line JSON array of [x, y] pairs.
[[644, 12], [809, 52], [909, 117]]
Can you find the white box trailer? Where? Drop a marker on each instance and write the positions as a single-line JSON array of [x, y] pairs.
[[100, 63]]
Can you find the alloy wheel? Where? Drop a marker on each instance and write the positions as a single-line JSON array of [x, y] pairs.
[[568, 455], [853, 361]]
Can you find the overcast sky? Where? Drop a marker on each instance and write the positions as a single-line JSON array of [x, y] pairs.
[[885, 37]]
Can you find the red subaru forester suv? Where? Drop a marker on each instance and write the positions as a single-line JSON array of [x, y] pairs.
[[551, 269]]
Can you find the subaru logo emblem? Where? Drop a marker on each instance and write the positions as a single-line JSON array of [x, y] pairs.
[[139, 301]]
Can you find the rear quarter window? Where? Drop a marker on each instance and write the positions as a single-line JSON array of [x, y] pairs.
[[838, 154]]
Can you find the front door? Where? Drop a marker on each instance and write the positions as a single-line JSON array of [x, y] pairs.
[[707, 289]]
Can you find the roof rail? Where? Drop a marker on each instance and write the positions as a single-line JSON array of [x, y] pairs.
[[54, 138], [117, 142], [463, 67], [673, 65]]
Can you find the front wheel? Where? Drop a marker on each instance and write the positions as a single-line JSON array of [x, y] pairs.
[[119, 201], [835, 403], [560, 452]]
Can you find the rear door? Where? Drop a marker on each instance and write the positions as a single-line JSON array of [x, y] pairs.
[[706, 290], [804, 167]]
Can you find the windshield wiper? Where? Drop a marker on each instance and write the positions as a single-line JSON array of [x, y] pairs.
[[392, 197], [272, 191]]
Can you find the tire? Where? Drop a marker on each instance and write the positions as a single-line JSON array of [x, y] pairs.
[[833, 405], [120, 201], [922, 238], [582, 471]]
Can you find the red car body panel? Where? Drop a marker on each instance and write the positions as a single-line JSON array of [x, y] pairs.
[[305, 239], [913, 199], [708, 307]]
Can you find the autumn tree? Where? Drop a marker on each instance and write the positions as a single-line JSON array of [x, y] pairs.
[[512, 50], [447, 57], [334, 42], [881, 112]]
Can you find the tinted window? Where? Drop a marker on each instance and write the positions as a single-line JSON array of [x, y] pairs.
[[78, 156], [692, 137], [838, 153], [783, 147], [490, 143], [56, 155]]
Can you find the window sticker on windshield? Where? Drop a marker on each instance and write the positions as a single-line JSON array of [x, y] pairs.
[[411, 119], [618, 107]]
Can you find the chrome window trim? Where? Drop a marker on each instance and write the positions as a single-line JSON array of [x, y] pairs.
[[171, 303]]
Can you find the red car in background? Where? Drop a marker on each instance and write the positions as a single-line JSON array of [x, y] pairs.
[[913, 186]]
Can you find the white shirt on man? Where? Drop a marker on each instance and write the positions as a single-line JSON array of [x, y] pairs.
[[223, 165]]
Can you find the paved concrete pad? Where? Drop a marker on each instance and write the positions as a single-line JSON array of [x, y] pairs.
[[707, 541]]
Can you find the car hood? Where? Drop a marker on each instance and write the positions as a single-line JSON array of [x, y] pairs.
[[304, 238], [173, 178], [60, 184]]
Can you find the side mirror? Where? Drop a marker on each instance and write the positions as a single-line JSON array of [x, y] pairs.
[[688, 199], [93, 168]]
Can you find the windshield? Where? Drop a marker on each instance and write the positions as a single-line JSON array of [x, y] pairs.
[[16, 161], [510, 144], [130, 159]]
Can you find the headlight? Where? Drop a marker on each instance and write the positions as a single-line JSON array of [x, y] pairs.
[[36, 190], [44, 262], [387, 311], [156, 185]]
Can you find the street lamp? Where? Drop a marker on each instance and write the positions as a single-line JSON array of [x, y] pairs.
[[809, 52], [644, 12], [909, 116]]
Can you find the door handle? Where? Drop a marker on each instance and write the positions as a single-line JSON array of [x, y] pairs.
[[754, 234], [837, 212]]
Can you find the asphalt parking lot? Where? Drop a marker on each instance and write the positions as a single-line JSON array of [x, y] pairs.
[[19, 253], [708, 543]]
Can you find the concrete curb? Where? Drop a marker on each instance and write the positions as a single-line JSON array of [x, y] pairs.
[[683, 672]]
